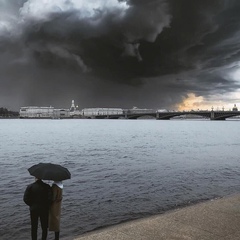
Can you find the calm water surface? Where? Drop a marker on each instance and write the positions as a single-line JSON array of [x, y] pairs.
[[121, 169]]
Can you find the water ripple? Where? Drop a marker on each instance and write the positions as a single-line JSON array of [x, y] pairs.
[[121, 170]]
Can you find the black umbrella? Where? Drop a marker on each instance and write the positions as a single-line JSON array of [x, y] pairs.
[[49, 171]]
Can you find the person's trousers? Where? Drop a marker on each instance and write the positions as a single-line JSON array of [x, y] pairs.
[[35, 215], [56, 236]]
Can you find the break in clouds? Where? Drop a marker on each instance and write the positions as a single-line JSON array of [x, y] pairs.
[[118, 53]]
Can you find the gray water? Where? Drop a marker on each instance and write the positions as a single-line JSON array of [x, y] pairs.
[[121, 169]]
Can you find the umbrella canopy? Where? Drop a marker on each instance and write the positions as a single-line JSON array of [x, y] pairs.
[[49, 171]]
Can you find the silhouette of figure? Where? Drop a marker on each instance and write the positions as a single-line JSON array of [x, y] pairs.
[[38, 197]]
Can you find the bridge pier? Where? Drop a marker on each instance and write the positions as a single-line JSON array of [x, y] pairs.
[[217, 116]]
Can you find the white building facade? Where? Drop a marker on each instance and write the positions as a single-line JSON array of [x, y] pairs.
[[89, 112], [43, 112]]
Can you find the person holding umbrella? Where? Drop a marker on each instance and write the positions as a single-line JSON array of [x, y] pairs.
[[55, 209], [57, 173], [38, 197]]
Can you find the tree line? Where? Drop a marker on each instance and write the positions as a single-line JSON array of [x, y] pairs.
[[4, 112]]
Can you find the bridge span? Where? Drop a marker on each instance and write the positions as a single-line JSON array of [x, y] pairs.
[[212, 115]]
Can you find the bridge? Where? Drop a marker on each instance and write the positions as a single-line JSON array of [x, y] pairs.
[[212, 115]]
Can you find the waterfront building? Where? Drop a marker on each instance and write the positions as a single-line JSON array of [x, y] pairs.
[[36, 112], [136, 110], [61, 113], [91, 112], [72, 108], [43, 112], [74, 111], [235, 108], [161, 110]]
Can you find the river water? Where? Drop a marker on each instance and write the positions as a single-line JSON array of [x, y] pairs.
[[121, 169]]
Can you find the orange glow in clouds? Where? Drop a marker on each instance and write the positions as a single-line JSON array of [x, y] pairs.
[[192, 102]]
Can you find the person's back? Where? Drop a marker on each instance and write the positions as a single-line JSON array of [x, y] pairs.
[[38, 197], [55, 209]]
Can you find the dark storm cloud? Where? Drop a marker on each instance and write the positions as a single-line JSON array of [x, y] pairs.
[[139, 52]]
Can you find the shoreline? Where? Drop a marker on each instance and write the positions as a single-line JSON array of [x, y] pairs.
[[173, 222]]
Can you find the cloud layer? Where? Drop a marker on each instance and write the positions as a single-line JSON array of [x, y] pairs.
[[118, 53]]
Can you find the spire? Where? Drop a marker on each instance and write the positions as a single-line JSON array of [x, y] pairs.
[[72, 108]]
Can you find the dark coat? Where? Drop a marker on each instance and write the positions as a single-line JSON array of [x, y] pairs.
[[38, 196], [55, 209]]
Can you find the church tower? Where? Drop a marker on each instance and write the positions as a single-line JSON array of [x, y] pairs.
[[72, 108]]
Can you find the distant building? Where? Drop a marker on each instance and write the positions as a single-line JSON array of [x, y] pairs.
[[161, 110], [72, 108], [91, 112], [61, 113], [235, 108], [36, 112], [74, 111], [43, 112], [136, 110]]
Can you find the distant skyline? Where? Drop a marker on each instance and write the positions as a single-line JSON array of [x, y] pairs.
[[190, 104], [171, 54]]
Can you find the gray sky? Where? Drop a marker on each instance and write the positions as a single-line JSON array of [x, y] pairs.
[[109, 53]]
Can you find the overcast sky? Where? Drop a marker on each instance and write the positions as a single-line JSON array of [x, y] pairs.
[[169, 54]]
